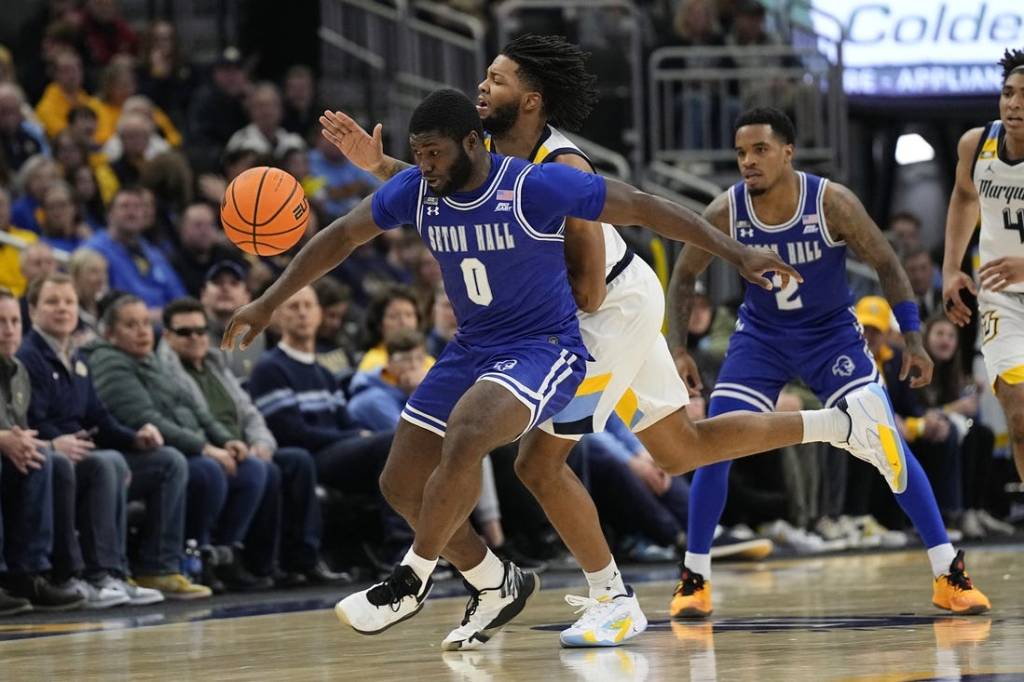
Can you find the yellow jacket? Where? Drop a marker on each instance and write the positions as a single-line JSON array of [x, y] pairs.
[[55, 105], [10, 261], [109, 114]]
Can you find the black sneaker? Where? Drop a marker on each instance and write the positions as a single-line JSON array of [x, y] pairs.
[[235, 576], [44, 595], [491, 609], [11, 605], [321, 574], [399, 597]]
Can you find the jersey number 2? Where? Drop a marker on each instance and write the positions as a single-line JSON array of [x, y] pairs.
[[787, 298], [477, 286]]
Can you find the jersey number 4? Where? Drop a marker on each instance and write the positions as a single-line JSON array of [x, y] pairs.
[[787, 298], [1014, 221], [477, 286]]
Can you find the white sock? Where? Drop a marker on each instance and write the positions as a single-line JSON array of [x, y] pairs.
[[698, 563], [487, 574], [830, 425], [606, 581], [420, 566], [941, 557]]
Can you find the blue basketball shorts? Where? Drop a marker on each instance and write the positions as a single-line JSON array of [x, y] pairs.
[[542, 374], [832, 360]]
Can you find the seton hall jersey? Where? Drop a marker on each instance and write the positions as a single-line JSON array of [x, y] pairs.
[[802, 241], [500, 246], [1000, 186], [554, 143]]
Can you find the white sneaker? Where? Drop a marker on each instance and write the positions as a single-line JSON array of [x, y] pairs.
[[871, 528], [138, 595], [491, 609], [993, 524], [104, 595], [606, 621], [387, 603], [608, 665], [874, 436]]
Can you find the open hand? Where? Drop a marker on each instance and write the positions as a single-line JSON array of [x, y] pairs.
[[1000, 273], [351, 140]]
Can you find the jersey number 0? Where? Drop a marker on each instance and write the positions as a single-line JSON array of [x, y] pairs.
[[477, 286]]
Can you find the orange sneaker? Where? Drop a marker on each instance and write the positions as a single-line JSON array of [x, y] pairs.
[[955, 592], [692, 598]]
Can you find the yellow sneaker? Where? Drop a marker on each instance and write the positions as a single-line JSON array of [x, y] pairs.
[[692, 598], [174, 586], [955, 592]]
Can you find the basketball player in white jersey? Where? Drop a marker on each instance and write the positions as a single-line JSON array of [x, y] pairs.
[[537, 81], [990, 186]]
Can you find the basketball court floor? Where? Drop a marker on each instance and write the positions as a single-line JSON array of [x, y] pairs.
[[861, 617]]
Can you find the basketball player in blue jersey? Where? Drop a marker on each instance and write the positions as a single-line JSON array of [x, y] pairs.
[[536, 81], [802, 330]]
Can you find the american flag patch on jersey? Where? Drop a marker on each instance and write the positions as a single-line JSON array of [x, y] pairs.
[[813, 218], [505, 195]]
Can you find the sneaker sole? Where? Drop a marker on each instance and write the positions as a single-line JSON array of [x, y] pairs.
[[16, 610], [970, 611], [692, 613], [503, 618], [186, 596], [146, 601], [99, 606], [747, 549], [635, 629], [343, 617]]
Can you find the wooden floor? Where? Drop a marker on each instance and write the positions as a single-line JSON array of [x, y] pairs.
[[865, 617]]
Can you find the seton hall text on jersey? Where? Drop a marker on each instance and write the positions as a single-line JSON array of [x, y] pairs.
[[797, 253], [453, 238]]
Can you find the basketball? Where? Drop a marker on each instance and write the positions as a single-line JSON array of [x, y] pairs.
[[264, 211]]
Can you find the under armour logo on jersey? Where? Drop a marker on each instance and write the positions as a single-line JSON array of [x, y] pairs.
[[746, 232], [433, 210], [503, 206], [843, 366], [505, 365]]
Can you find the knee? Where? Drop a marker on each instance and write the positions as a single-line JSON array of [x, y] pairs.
[[466, 445], [402, 500], [537, 472], [273, 476], [63, 469], [253, 472], [174, 464]]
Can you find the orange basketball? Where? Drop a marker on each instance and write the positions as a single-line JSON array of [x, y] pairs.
[[264, 211]]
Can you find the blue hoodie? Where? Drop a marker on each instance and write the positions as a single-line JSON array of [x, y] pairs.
[[375, 404]]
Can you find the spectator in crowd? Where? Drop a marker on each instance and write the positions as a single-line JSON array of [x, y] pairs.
[[26, 487], [117, 86], [217, 111], [164, 74], [134, 134], [20, 139], [426, 276], [905, 229], [11, 276], [301, 110], [105, 33], [37, 260], [36, 176], [378, 395], [94, 475], [68, 154], [88, 200], [695, 24], [63, 94], [341, 183], [443, 323], [223, 293], [60, 226], [82, 122], [201, 245], [921, 271], [393, 310], [88, 270], [335, 338], [225, 484], [264, 134], [304, 407], [289, 514], [135, 265]]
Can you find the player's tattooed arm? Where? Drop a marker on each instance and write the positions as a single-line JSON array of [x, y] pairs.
[[362, 149], [584, 251], [322, 253], [961, 219], [847, 220], [681, 290]]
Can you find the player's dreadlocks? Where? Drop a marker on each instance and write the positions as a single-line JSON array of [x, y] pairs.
[[1012, 61], [557, 69]]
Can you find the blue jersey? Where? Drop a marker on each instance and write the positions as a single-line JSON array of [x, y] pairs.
[[804, 242], [500, 247]]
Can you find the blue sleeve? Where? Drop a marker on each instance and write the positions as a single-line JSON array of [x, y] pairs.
[[553, 191], [604, 444], [394, 203], [375, 410]]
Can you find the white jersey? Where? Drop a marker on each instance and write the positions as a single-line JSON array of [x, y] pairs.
[[554, 143], [1000, 186]]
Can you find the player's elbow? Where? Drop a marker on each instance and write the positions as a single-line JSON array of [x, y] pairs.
[[588, 301]]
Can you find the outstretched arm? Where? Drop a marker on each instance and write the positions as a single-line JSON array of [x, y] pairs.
[[626, 205], [961, 219], [848, 221], [359, 147], [325, 251]]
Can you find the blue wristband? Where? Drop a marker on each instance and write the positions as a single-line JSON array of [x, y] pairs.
[[907, 316]]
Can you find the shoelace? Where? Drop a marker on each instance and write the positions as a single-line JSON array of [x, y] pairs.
[[689, 582], [392, 591], [592, 609], [473, 604]]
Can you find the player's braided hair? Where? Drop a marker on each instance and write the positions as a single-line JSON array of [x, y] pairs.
[[557, 69], [1012, 61], [447, 112]]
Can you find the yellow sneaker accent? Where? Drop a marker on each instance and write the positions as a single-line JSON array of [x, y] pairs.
[[174, 586], [891, 447], [692, 598], [623, 625]]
